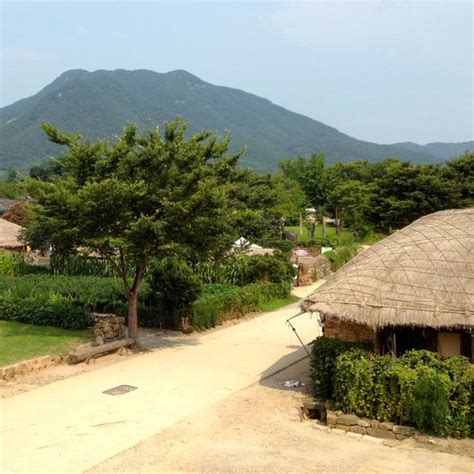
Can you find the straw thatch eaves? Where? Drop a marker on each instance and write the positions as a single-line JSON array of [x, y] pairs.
[[7, 204], [9, 235], [423, 275]]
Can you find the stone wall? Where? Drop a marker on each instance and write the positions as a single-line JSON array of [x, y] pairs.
[[349, 331], [108, 328], [364, 426]]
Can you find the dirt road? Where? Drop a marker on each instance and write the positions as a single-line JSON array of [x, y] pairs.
[[259, 430], [71, 425]]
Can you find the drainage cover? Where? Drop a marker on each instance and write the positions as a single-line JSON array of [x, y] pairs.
[[120, 390]]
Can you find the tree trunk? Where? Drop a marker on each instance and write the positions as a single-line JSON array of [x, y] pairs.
[[133, 316]]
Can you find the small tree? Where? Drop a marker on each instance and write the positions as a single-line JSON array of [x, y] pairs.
[[144, 196]]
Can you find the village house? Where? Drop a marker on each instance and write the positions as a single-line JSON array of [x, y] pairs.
[[412, 290], [10, 237]]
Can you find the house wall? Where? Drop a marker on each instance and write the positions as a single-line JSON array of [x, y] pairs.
[[349, 331]]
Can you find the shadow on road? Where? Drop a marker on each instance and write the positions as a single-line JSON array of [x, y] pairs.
[[152, 339], [293, 367]]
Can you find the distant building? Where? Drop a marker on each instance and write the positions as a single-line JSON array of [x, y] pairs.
[[9, 237], [7, 204]]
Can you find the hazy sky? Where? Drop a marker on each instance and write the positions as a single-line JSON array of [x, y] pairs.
[[381, 71]]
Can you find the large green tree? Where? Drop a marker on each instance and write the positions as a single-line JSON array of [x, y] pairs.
[[312, 176], [262, 204], [140, 197]]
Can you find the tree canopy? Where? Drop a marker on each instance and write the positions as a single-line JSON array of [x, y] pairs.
[[140, 197]]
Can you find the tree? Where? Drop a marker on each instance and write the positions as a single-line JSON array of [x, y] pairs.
[[353, 198], [143, 196], [312, 176], [263, 203], [407, 192]]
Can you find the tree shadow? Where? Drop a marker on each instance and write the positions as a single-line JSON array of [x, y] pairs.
[[152, 339]]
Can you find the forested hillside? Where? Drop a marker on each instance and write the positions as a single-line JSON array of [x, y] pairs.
[[98, 105]]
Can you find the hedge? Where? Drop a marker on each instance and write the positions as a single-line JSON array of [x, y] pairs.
[[219, 302], [60, 301], [420, 388]]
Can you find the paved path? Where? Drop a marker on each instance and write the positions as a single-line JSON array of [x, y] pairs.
[[71, 425]]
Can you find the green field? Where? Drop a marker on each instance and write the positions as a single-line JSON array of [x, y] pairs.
[[318, 232], [24, 341]]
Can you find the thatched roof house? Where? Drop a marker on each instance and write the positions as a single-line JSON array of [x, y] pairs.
[[9, 236], [421, 278]]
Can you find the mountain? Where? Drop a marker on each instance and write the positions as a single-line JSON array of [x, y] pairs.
[[98, 104]]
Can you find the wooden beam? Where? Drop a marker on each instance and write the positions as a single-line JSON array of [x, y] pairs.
[[84, 354]]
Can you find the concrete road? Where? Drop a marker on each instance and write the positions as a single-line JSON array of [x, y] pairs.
[[71, 425]]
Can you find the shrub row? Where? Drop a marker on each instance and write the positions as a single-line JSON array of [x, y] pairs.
[[14, 264], [60, 301], [341, 255], [243, 270], [420, 388], [220, 302], [54, 310]]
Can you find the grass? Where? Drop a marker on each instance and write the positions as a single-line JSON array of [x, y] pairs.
[[276, 303], [24, 341], [318, 232]]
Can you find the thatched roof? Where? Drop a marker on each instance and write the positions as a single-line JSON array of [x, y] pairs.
[[422, 275], [9, 234], [6, 204]]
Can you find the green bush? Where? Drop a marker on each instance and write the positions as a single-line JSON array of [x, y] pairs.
[[79, 265], [420, 388], [323, 364], [14, 264], [268, 268], [341, 255], [244, 270], [219, 302], [174, 287], [354, 383], [285, 246], [61, 298], [54, 310], [430, 410]]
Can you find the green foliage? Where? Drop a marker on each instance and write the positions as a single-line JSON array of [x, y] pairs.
[[430, 408], [174, 287], [59, 300], [312, 176], [78, 265], [420, 388], [341, 255], [354, 383], [14, 264], [261, 204], [391, 194], [54, 310], [220, 302], [140, 197], [10, 185], [7, 264], [242, 270], [324, 354], [284, 246]]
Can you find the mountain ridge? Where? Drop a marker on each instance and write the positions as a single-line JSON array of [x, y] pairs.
[[98, 104]]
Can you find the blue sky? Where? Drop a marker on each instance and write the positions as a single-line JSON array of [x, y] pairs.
[[381, 71]]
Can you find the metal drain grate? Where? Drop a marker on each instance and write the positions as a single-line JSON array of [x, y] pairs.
[[120, 390]]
